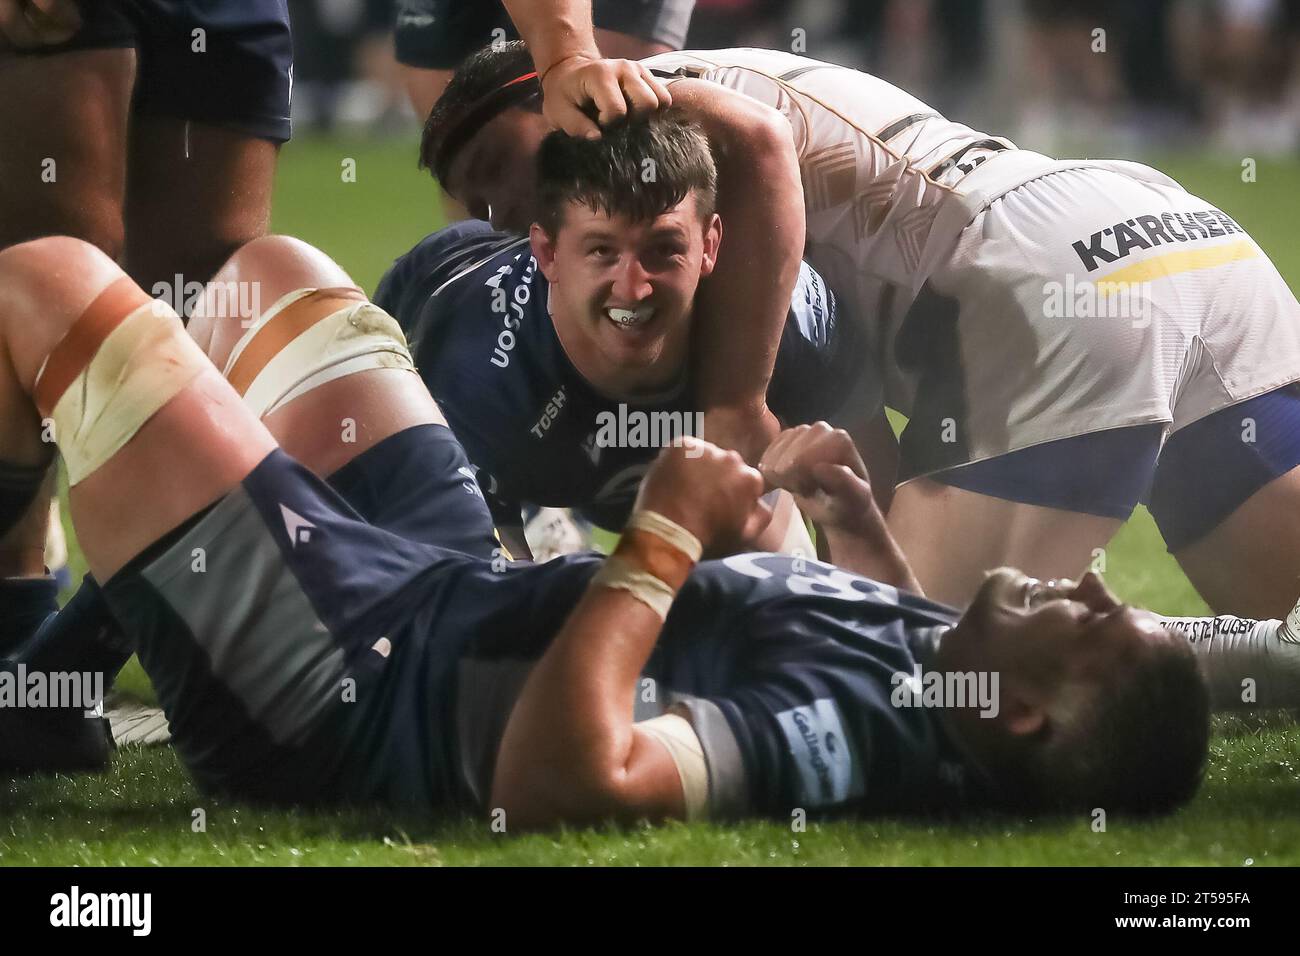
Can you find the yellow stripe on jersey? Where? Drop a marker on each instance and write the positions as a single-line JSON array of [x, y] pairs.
[[1174, 263]]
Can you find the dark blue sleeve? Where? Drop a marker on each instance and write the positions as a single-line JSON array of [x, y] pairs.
[[413, 277], [821, 360]]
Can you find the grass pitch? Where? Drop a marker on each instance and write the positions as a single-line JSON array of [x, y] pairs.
[[145, 812]]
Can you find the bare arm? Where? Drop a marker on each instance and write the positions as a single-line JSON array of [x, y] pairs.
[[570, 752], [574, 77], [742, 307], [554, 29]]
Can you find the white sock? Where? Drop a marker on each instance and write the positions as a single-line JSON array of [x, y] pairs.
[[1246, 663]]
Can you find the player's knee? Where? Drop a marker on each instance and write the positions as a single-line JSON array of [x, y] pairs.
[[105, 232], [251, 284], [39, 257], [282, 264], [45, 284]]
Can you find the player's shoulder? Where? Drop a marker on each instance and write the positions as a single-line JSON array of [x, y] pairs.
[[438, 262]]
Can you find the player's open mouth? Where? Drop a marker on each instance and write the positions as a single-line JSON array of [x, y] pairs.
[[631, 318]]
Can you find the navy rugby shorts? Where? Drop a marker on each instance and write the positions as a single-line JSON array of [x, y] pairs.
[[221, 62]]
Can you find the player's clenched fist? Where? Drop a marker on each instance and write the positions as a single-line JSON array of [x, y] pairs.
[[821, 467], [32, 23], [708, 491]]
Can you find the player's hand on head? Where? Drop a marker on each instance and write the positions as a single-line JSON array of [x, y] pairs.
[[26, 24], [821, 467], [707, 490], [579, 87]]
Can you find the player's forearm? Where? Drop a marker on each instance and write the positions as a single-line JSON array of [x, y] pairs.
[[871, 551], [569, 743], [741, 309], [554, 30]]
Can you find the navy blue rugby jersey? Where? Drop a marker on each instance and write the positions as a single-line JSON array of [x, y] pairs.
[[800, 661], [536, 431]]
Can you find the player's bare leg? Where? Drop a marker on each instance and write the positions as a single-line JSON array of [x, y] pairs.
[[63, 169], [196, 193], [330, 425], [952, 537], [1250, 563], [424, 87], [199, 445], [63, 153]]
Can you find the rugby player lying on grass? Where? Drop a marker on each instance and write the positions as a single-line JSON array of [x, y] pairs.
[[333, 394], [562, 364], [317, 657], [1042, 403]]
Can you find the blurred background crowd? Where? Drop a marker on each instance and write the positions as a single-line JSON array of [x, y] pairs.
[[1055, 75]]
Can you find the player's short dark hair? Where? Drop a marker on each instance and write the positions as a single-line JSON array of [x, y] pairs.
[[496, 78], [1136, 746], [640, 169]]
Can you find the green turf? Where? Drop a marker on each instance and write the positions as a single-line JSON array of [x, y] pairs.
[[143, 811]]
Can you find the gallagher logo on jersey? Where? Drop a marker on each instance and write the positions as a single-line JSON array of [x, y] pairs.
[[813, 307], [828, 774]]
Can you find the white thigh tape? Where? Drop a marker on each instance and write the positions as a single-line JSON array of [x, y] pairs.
[[356, 338], [139, 367]]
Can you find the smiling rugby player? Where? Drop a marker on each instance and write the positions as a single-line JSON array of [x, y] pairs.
[[1066, 337]]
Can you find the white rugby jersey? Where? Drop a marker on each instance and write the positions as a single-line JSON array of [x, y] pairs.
[[888, 182]]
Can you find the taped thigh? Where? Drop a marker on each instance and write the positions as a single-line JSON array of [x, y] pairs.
[[309, 338], [124, 359]]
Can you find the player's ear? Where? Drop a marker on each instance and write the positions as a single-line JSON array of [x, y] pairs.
[[1019, 717], [543, 250], [712, 241]]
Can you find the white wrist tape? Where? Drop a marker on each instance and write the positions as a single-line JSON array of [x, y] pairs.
[[645, 587], [138, 368], [356, 337], [668, 530]]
